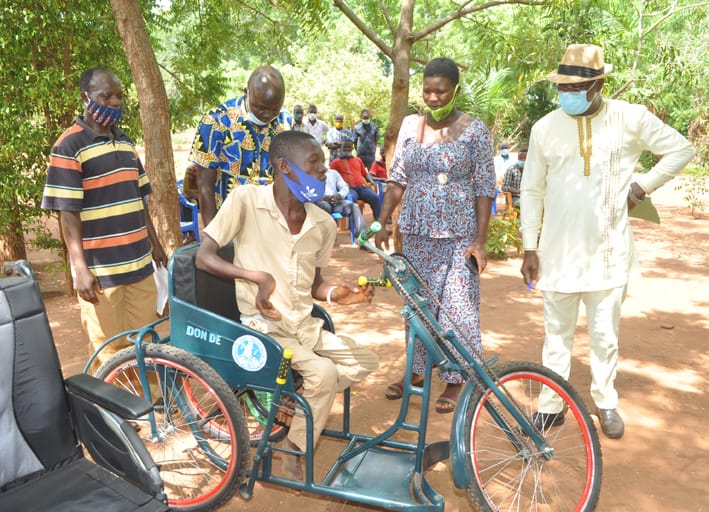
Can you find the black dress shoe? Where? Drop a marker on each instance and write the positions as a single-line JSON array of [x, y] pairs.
[[611, 423], [543, 420]]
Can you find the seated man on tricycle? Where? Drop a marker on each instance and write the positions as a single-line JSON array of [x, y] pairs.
[[282, 240]]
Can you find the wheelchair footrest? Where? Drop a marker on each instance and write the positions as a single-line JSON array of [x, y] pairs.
[[387, 478]]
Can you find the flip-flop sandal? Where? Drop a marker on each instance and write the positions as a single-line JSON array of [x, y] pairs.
[[395, 391], [445, 405]]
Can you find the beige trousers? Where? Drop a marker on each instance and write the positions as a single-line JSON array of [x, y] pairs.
[[332, 365], [560, 316], [119, 308]]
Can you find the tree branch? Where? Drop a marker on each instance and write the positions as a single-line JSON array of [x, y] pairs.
[[368, 32], [464, 11], [259, 13], [642, 34], [385, 13], [636, 59], [671, 13]]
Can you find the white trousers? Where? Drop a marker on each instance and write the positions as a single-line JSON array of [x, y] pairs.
[[560, 317]]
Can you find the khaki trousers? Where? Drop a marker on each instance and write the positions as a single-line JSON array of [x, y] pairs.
[[119, 308], [560, 316], [332, 365]]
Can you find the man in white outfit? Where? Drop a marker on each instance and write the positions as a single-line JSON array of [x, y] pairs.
[[579, 175]]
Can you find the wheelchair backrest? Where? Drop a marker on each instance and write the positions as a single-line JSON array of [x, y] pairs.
[[201, 288], [35, 428], [204, 320]]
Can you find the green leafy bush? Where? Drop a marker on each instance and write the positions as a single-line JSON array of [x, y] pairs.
[[503, 233], [695, 187]]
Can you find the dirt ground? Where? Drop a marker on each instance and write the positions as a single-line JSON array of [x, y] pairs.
[[661, 464]]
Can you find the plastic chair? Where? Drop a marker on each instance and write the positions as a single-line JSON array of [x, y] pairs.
[[43, 418], [381, 185], [510, 211], [338, 217], [191, 223]]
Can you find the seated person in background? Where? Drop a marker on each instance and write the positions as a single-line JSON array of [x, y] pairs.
[[334, 200], [379, 167], [281, 242], [355, 174], [513, 177]]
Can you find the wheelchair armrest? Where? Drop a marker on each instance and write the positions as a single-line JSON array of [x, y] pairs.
[[116, 400]]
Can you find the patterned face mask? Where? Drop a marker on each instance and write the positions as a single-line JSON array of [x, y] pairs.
[[309, 190], [103, 114]]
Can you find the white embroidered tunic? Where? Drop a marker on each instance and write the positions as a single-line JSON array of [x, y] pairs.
[[576, 177]]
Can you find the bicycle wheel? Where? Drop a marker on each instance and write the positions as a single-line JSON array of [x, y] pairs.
[[508, 477], [256, 406], [201, 443]]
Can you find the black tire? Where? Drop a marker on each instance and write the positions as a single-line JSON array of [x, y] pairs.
[[189, 398], [506, 478]]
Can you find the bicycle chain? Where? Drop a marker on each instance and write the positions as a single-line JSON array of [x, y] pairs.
[[432, 329], [435, 332]]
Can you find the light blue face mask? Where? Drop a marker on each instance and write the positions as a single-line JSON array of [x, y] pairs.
[[251, 118], [309, 190], [574, 103], [520, 164]]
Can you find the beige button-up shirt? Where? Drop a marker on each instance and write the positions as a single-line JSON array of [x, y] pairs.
[[586, 242], [262, 241]]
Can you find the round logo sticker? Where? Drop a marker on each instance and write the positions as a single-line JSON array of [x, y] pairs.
[[249, 353]]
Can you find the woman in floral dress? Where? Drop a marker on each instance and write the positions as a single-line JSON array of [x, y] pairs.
[[444, 162]]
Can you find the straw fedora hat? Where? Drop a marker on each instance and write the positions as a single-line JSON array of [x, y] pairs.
[[581, 63]]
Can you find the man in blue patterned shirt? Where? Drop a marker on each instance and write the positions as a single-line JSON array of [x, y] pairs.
[[232, 141]]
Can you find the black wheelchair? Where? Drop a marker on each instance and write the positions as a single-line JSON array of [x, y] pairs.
[[46, 422]]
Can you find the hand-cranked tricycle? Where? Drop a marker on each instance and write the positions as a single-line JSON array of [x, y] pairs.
[[217, 387]]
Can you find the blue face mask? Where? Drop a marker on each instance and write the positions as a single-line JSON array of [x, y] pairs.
[[520, 163], [574, 103], [504, 153], [309, 190], [103, 114]]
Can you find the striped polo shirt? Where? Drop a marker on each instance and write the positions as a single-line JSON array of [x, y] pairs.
[[103, 178]]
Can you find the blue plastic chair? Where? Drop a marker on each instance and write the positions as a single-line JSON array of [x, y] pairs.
[[381, 183], [191, 223], [338, 216]]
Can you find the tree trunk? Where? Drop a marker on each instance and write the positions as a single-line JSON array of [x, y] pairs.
[[399, 92], [155, 117], [12, 244]]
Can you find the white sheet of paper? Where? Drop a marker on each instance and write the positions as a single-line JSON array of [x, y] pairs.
[[160, 276]]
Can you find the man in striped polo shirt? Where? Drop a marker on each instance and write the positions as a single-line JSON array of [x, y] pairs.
[[97, 184]]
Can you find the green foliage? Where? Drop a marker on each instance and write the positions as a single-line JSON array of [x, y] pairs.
[[207, 49], [503, 234], [40, 65], [695, 187]]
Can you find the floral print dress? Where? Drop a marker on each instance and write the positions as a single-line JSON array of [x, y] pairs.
[[438, 222]]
